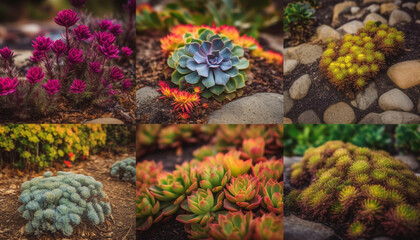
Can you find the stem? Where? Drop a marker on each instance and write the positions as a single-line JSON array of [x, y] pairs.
[[67, 40], [48, 65], [9, 71]]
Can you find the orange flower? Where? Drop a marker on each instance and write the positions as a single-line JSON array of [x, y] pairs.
[[247, 42], [231, 32], [171, 42], [184, 100], [165, 89], [141, 7], [68, 164], [183, 116]]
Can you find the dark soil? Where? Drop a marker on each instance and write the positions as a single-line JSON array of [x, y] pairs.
[[152, 68], [121, 195], [323, 94]]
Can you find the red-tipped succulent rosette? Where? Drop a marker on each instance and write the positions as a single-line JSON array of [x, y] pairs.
[[242, 193], [272, 194], [232, 226], [254, 148]]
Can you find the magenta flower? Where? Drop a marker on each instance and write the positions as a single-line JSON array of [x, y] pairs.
[[109, 50], [42, 44], [103, 37], [95, 67], [78, 3], [75, 56], [36, 56], [105, 24], [6, 53], [126, 83], [116, 74], [59, 47], [66, 18], [78, 86], [115, 29], [82, 32], [8, 85], [35, 74], [111, 91], [52, 86], [126, 51]]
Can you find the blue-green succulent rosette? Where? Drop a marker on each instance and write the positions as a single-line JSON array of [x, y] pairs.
[[211, 62]]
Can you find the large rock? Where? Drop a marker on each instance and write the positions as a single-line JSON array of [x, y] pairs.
[[366, 97], [398, 16], [260, 108], [298, 229], [300, 87], [390, 117], [289, 65], [105, 121], [288, 102], [146, 101], [307, 53], [387, 8], [395, 99], [351, 27], [410, 160], [405, 74], [324, 33], [308, 117], [339, 8], [339, 113], [375, 18]]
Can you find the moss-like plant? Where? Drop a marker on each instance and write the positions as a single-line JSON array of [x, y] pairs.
[[298, 19], [356, 59], [368, 190]]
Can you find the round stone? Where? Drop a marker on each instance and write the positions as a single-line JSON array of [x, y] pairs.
[[405, 74], [300, 87], [308, 117], [339, 113], [395, 99]]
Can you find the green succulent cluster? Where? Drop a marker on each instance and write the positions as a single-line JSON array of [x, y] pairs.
[[298, 19], [59, 203], [358, 58], [125, 170], [367, 190]]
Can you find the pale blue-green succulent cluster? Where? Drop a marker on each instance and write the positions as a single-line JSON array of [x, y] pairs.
[[125, 170], [59, 203]]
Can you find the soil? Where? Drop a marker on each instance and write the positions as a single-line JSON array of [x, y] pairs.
[[152, 68], [322, 93], [120, 225]]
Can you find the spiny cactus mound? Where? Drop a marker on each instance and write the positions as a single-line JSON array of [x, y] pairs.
[[125, 170], [59, 203], [368, 190]]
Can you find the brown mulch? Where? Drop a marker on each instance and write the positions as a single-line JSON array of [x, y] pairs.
[[151, 68], [322, 93], [121, 195]]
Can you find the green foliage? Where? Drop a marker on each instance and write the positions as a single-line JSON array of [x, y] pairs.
[[120, 138], [298, 138], [407, 138], [357, 187], [298, 19], [59, 203], [125, 170]]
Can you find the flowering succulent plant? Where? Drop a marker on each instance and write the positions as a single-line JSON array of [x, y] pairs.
[[146, 208], [211, 62], [147, 172], [242, 192]]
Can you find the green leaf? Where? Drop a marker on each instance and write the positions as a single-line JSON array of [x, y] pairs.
[[238, 51], [183, 70], [197, 40], [240, 81], [171, 62], [243, 63], [155, 18], [230, 96], [206, 93], [217, 89], [178, 16], [203, 35], [183, 61], [177, 77], [187, 35], [231, 85], [221, 97]]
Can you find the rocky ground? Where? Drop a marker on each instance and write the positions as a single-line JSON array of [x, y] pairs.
[[262, 101], [392, 98], [298, 228]]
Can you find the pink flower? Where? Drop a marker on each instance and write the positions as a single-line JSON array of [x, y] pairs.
[[66, 18], [6, 53], [78, 86], [35, 74], [95, 67], [52, 86], [126, 83], [116, 74], [75, 56], [126, 51], [115, 29], [42, 44], [78, 3], [105, 24], [109, 50], [111, 91], [8, 85], [103, 37], [82, 32], [37, 56], [59, 47]]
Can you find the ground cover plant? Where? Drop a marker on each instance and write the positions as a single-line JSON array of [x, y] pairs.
[[356, 64], [63, 187], [234, 183], [358, 191], [125, 170], [87, 67], [198, 66]]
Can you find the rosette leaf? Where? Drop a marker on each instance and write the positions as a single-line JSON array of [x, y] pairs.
[[211, 62], [147, 172], [197, 231], [203, 205], [254, 148], [233, 226], [271, 169], [242, 192], [232, 161], [268, 227], [273, 196], [147, 209], [213, 177]]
